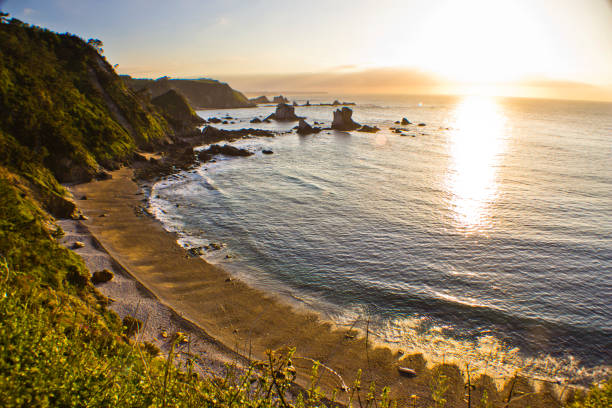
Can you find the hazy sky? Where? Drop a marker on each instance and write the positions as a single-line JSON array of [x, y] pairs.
[[465, 41]]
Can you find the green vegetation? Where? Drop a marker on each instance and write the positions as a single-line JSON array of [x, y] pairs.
[[176, 108], [61, 100], [200, 93], [597, 397]]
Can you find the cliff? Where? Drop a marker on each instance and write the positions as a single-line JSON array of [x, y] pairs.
[[63, 107], [200, 93]]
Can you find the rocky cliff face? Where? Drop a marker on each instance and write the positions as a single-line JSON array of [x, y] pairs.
[[200, 93]]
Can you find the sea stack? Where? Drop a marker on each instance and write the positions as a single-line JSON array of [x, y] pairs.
[[304, 128], [284, 113], [343, 120]]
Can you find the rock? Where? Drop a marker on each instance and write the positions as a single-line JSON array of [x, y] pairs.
[[83, 197], [284, 113], [295, 103], [369, 129], [195, 252], [266, 120], [138, 157], [304, 128], [260, 99], [214, 120], [78, 244], [397, 122], [102, 276], [408, 372], [336, 103], [280, 99], [104, 215], [228, 117], [307, 103], [422, 124], [225, 122], [343, 120], [255, 120], [398, 131], [226, 150], [213, 246], [103, 175], [266, 151], [405, 122]]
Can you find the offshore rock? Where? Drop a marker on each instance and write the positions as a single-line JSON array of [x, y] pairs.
[[304, 128], [284, 113], [343, 120], [368, 129]]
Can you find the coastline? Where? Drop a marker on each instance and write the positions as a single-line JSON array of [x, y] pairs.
[[245, 319]]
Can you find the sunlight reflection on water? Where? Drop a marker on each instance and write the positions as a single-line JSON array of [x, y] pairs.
[[477, 142]]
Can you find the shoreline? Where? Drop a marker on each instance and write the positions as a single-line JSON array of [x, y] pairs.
[[246, 320]]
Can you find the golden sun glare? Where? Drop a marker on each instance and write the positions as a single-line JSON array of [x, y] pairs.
[[477, 142]]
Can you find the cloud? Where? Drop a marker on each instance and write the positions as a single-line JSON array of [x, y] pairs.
[[28, 11]]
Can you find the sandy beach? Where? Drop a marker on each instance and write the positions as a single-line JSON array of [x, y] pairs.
[[158, 282]]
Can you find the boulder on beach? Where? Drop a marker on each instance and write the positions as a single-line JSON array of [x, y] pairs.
[[422, 124], [255, 120], [284, 113], [280, 99], [267, 151], [102, 276], [368, 129], [406, 122], [260, 99], [343, 120]]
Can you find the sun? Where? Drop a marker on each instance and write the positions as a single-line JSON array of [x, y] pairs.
[[478, 41]]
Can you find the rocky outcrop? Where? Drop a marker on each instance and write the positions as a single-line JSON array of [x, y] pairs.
[[304, 128], [280, 99], [405, 122], [284, 113], [368, 129], [343, 120], [226, 150], [260, 99]]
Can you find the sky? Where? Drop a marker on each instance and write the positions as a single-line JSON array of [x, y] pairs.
[[564, 46]]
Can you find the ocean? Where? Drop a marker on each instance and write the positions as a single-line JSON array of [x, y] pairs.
[[482, 237]]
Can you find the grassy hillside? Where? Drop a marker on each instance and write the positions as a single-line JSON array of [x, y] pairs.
[[200, 93], [176, 108], [61, 100]]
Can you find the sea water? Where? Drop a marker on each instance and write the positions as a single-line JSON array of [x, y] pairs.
[[483, 236]]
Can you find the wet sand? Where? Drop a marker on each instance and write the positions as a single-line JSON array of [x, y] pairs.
[[248, 321]]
